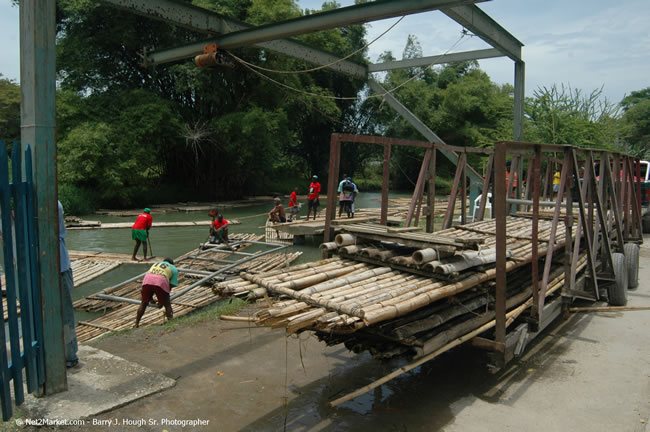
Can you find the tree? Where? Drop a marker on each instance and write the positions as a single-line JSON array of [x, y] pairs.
[[636, 122], [9, 110], [562, 115], [457, 101], [218, 129]]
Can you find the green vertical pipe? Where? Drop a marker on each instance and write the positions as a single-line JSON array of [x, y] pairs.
[[37, 83]]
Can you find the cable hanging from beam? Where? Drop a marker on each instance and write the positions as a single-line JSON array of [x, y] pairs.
[[381, 95], [319, 67]]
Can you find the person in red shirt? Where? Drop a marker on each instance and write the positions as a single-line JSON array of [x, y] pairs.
[[294, 206], [219, 230], [312, 198], [140, 232]]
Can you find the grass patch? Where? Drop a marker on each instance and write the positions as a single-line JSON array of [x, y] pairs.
[[10, 425], [209, 313]]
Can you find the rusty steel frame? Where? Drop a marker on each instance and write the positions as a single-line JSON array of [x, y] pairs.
[[426, 175], [612, 199]]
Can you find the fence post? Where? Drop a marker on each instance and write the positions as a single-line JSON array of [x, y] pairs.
[[37, 81]]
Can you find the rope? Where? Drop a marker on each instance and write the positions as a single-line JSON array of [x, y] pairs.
[[381, 95], [319, 67]]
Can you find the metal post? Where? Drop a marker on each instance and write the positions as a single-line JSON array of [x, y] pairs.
[[431, 192], [385, 185], [37, 82], [499, 202], [520, 68], [486, 188], [535, 234], [330, 211], [418, 186]]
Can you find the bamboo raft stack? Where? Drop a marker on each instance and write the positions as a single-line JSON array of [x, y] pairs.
[[367, 301], [121, 315]]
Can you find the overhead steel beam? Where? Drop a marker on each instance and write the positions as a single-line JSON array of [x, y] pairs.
[[357, 14], [433, 60], [204, 21], [480, 23]]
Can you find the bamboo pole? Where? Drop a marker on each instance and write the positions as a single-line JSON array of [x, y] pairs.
[[417, 363], [608, 308]]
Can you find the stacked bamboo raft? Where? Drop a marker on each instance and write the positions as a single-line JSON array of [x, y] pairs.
[[395, 299], [207, 258]]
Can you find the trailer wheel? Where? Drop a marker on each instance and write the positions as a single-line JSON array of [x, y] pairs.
[[632, 264], [617, 292]]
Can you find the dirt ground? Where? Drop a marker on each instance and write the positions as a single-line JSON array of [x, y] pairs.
[[588, 373]]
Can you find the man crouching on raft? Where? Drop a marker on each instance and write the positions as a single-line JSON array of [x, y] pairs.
[[159, 280]]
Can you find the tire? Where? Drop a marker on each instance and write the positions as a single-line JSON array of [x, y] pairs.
[[646, 225], [617, 292], [632, 264]]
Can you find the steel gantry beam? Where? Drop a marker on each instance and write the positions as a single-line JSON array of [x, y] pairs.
[[434, 60], [357, 14], [204, 21], [480, 23]]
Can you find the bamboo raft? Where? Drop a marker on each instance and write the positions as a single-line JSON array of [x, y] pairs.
[[316, 226], [121, 315], [118, 258], [185, 207], [272, 235], [116, 225], [84, 270], [392, 299]]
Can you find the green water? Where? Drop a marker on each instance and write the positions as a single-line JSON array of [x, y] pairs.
[[175, 241]]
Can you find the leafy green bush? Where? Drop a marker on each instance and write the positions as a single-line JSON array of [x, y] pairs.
[[368, 184], [77, 200]]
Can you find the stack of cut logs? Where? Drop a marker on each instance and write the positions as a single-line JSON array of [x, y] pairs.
[[392, 299]]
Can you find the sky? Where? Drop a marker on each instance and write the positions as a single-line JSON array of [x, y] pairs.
[[585, 44]]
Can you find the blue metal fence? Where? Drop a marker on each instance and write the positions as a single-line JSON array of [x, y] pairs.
[[20, 349]]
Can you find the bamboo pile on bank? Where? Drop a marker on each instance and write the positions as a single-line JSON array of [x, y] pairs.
[[362, 291]]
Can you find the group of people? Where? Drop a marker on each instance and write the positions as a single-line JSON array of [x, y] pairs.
[[347, 190]]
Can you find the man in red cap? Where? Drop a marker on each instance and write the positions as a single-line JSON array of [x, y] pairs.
[[140, 232]]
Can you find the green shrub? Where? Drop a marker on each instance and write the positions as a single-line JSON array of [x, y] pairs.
[[77, 200]]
